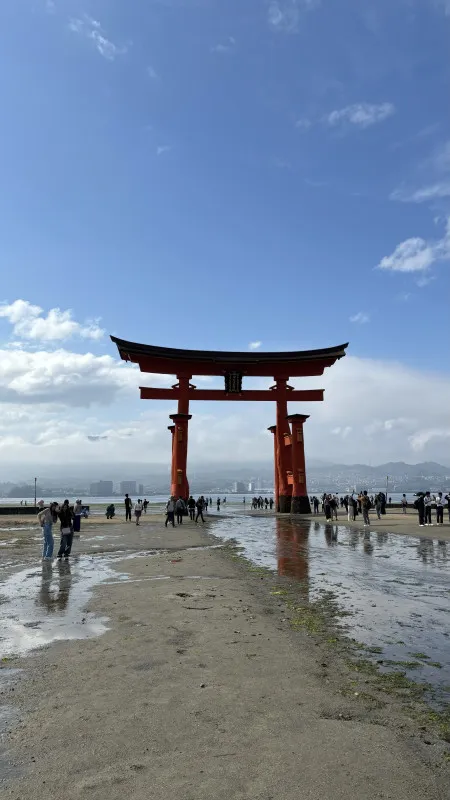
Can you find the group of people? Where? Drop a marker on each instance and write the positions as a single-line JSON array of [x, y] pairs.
[[69, 519], [179, 508], [262, 502], [140, 506], [363, 503], [424, 505]]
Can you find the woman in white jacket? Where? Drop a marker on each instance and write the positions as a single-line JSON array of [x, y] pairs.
[[46, 519]]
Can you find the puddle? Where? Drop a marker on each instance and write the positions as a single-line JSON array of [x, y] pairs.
[[47, 603], [396, 587]]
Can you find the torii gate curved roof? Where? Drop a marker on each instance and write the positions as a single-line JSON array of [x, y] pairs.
[[172, 361]]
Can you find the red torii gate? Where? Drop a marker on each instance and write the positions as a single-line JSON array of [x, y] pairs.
[[290, 472]]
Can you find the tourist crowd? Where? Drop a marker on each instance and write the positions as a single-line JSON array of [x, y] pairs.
[[69, 519], [363, 502]]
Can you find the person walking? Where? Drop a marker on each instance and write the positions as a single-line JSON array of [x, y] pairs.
[[427, 503], [271, 503], [378, 505], [366, 506], [128, 504], [47, 517], [218, 504], [144, 505], [180, 510], [404, 504], [351, 505], [191, 508], [327, 507], [170, 512], [200, 505], [77, 516], [66, 519], [316, 504], [439, 509], [419, 504], [138, 512]]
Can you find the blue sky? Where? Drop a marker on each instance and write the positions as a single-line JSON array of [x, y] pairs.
[[208, 174]]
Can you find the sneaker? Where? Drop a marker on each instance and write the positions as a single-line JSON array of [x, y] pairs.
[[421, 526]]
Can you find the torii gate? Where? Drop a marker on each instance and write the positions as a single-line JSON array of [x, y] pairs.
[[290, 472]]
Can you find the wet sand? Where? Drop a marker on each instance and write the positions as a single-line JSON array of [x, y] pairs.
[[199, 689]]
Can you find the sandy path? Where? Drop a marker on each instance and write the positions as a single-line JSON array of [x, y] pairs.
[[199, 691]]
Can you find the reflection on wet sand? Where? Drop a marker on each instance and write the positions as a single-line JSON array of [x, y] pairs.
[[395, 587], [55, 598], [292, 550]]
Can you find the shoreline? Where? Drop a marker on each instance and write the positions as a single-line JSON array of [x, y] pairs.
[[207, 686]]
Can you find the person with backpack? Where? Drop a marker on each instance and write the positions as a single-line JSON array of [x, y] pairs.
[[200, 506], [170, 512], [366, 505], [180, 510], [428, 503]]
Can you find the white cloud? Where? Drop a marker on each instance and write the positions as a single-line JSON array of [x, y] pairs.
[[361, 317], [417, 255], [62, 377], [224, 47], [423, 195], [163, 148], [254, 345], [421, 439], [373, 410], [92, 30], [361, 114], [283, 16], [303, 123], [29, 322], [437, 186]]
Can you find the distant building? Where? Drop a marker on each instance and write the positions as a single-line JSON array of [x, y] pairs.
[[140, 489], [239, 487], [252, 485], [128, 487], [101, 489]]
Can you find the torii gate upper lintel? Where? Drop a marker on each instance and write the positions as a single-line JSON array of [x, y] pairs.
[[290, 472]]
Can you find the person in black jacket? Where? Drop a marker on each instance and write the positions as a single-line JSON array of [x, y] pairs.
[[420, 506], [191, 507], [66, 519]]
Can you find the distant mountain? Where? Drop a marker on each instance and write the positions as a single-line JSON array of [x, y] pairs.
[[395, 469]]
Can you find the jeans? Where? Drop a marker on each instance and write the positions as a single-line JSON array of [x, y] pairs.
[[179, 517], [440, 515], [427, 515], [170, 517], [66, 545], [127, 514], [192, 514], [199, 514], [49, 541], [366, 517]]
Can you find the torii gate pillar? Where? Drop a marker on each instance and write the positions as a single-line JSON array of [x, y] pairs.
[[273, 429], [300, 501]]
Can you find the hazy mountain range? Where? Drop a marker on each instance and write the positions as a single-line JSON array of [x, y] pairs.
[[317, 470]]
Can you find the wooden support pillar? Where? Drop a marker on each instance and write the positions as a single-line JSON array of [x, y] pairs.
[[273, 429], [283, 450], [180, 484], [179, 480], [300, 500], [171, 428]]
